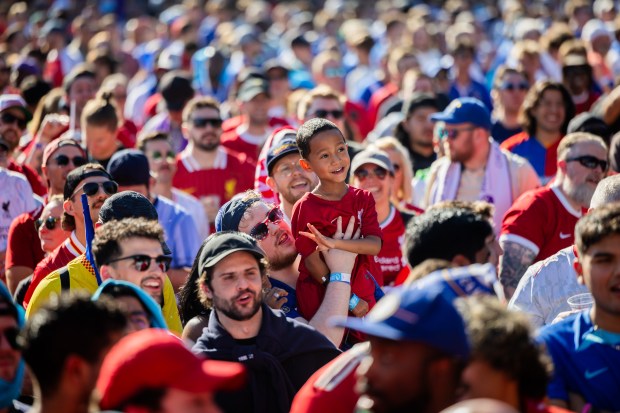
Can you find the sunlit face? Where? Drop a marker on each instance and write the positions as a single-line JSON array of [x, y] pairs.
[[581, 182], [100, 141], [162, 161], [57, 172], [52, 238], [94, 202], [419, 126], [375, 180], [82, 90], [207, 137], [460, 148], [599, 267], [550, 112], [257, 109], [329, 106], [290, 180], [512, 91], [9, 357], [12, 126], [151, 280], [236, 286], [328, 157], [279, 245]]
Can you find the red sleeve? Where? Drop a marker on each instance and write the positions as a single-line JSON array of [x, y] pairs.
[[23, 245], [370, 222], [35, 181], [40, 272], [526, 220], [299, 222]]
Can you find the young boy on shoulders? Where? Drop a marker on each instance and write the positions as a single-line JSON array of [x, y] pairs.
[[323, 150]]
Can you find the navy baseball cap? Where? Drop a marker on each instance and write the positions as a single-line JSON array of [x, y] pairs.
[[286, 146], [230, 214], [465, 110], [420, 315], [221, 244], [129, 167]]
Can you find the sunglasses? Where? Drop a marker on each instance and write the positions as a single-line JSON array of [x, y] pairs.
[[63, 160], [157, 155], [50, 223], [333, 72], [142, 262], [396, 167], [261, 230], [336, 114], [590, 162], [453, 133], [8, 118], [515, 86], [203, 122], [363, 174], [11, 334], [92, 188]]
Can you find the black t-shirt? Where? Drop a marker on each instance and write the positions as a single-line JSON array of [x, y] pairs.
[[500, 133]]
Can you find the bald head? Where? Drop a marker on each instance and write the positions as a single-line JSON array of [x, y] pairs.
[[480, 406], [607, 192]]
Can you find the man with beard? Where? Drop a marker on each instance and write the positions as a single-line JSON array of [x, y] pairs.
[[206, 170], [286, 178], [80, 275], [162, 163], [14, 117], [265, 223], [280, 354], [542, 222], [476, 168], [98, 185]]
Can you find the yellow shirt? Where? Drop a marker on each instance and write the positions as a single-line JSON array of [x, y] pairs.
[[82, 278]]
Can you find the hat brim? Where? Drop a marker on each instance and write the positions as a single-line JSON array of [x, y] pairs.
[[214, 260], [25, 111], [280, 156], [356, 165], [372, 329], [444, 117]]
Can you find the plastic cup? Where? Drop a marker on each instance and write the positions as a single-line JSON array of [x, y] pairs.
[[581, 301]]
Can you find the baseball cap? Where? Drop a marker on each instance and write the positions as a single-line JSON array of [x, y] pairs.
[[14, 101], [420, 315], [286, 145], [220, 245], [574, 60], [252, 88], [78, 175], [418, 100], [230, 214], [176, 89], [154, 359], [56, 144], [465, 110], [129, 167], [589, 122], [373, 156]]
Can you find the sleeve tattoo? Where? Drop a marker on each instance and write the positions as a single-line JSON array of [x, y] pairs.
[[513, 264]]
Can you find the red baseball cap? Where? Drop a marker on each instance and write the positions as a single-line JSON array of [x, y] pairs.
[[153, 358]]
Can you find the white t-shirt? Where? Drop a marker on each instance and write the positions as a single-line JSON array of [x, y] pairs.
[[15, 198], [545, 287]]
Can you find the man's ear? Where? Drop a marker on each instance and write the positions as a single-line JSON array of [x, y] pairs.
[[562, 165], [579, 270], [107, 272], [67, 206], [206, 290], [305, 165], [271, 183]]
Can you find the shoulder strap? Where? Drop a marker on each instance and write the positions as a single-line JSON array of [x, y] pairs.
[[65, 280]]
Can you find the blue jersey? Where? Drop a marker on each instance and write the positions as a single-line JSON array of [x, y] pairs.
[[290, 306], [586, 361]]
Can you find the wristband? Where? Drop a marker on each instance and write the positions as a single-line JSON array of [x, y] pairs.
[[353, 302], [342, 277]]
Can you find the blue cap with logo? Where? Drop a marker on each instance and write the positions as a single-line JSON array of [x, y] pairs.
[[465, 110], [420, 315]]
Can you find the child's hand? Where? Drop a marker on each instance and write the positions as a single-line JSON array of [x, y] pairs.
[[325, 243], [361, 309]]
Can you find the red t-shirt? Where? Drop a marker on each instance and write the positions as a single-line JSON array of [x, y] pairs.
[[541, 220], [23, 245], [390, 257], [378, 97], [237, 139], [31, 175], [232, 173], [61, 256], [323, 214]]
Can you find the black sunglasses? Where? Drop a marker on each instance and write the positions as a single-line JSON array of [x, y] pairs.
[[261, 230], [142, 262], [336, 114], [157, 155], [10, 118], [203, 122], [63, 160], [363, 174], [590, 162], [515, 86], [91, 188], [11, 334], [50, 223]]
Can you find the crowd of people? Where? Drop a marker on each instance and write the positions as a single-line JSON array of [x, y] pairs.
[[309, 206]]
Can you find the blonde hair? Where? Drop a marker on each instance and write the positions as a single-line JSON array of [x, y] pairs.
[[405, 192]]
